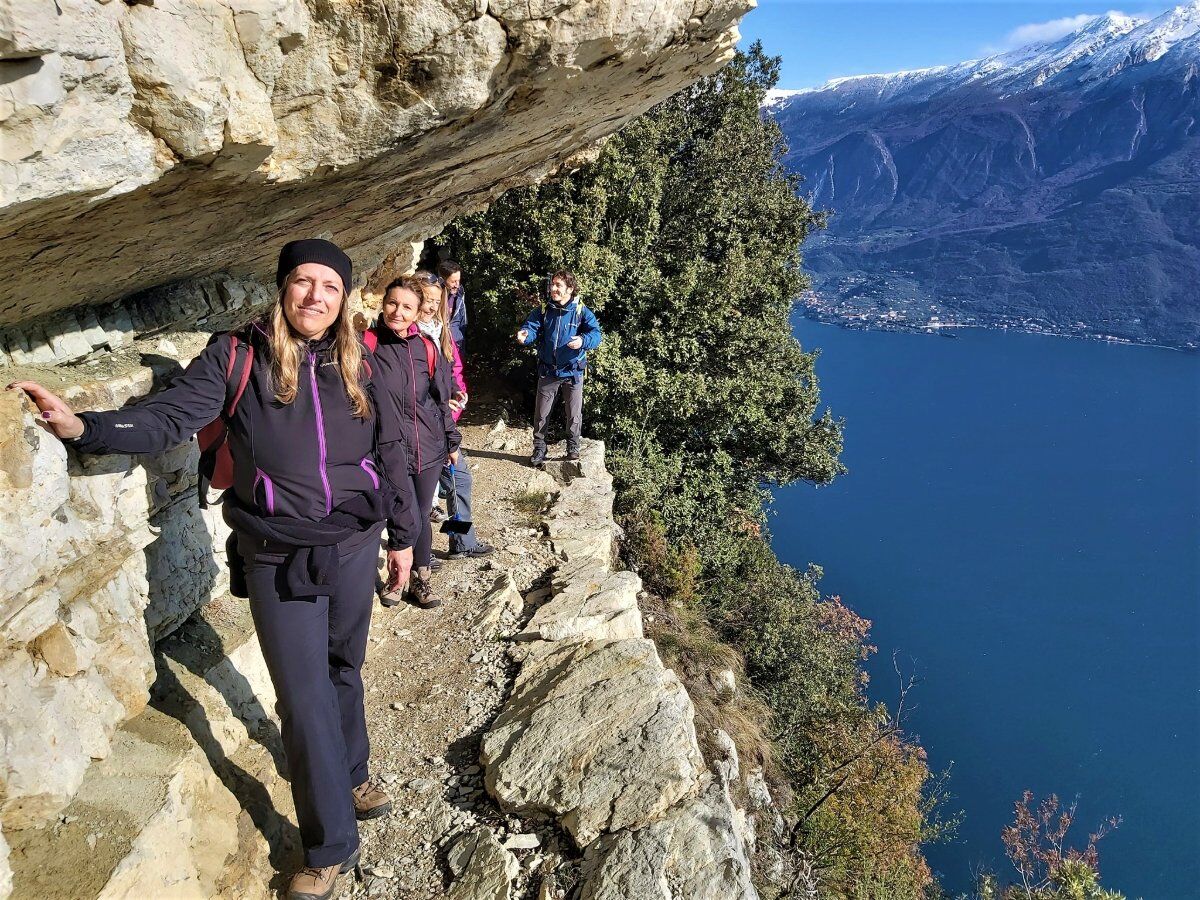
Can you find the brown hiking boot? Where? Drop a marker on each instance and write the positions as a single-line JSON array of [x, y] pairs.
[[370, 802], [312, 883], [421, 590]]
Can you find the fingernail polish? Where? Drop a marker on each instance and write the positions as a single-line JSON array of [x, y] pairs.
[[45, 415]]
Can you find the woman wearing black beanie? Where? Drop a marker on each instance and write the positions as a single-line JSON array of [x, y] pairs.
[[307, 504]]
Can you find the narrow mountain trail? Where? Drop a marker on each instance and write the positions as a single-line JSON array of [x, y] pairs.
[[435, 679], [597, 738]]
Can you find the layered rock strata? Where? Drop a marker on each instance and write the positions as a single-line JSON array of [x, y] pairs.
[[598, 736], [153, 157], [143, 143]]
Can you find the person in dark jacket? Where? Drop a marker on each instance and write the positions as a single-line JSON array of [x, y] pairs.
[[307, 508], [564, 331], [414, 406], [456, 481], [456, 302]]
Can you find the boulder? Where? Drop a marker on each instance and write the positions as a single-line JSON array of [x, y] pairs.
[[483, 870], [603, 607], [580, 525], [692, 853], [597, 734]]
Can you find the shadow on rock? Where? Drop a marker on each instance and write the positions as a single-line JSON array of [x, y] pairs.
[[176, 662]]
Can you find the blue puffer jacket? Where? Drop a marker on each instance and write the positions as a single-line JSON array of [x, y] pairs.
[[458, 318], [551, 327]]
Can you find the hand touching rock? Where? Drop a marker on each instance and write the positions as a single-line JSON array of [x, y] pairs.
[[56, 416]]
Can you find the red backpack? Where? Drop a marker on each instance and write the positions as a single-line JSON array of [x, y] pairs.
[[371, 339], [216, 462]]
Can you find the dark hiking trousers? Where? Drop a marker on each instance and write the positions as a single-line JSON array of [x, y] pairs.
[[548, 388], [424, 485], [315, 650], [461, 501]]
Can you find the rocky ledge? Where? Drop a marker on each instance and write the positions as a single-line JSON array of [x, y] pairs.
[[534, 742], [597, 736], [154, 155]]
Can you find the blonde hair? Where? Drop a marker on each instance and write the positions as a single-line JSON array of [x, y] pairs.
[[286, 349], [447, 340]]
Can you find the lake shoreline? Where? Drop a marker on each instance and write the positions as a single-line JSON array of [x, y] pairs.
[[937, 329]]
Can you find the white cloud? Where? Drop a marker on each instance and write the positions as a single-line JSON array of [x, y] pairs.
[[1040, 32]]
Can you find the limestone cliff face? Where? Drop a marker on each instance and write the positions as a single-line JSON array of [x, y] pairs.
[[153, 158], [149, 142]]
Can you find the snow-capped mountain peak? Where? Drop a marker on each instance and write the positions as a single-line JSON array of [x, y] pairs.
[[1099, 49], [1148, 42], [1000, 189]]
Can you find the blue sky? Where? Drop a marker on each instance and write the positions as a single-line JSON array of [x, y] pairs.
[[823, 39]]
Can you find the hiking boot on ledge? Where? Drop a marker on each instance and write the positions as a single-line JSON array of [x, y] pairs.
[[318, 884], [421, 590], [370, 802], [538, 459], [480, 549]]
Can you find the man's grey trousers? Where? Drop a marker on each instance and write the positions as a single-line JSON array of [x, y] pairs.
[[548, 389]]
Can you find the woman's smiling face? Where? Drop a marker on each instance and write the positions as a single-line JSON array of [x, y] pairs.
[[431, 302], [400, 307], [312, 299]]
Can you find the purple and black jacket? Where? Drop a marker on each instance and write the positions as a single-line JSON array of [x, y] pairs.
[[302, 460], [414, 411]]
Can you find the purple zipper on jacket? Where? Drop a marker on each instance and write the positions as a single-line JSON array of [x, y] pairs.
[[312, 371], [367, 466], [264, 479], [413, 382]]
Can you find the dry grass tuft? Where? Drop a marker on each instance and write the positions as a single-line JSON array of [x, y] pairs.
[[691, 648]]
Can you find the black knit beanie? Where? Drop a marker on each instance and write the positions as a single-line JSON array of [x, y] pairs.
[[314, 250]]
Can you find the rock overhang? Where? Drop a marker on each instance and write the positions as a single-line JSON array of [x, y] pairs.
[[148, 143]]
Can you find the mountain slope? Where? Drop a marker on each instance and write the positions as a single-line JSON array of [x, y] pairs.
[[1055, 186]]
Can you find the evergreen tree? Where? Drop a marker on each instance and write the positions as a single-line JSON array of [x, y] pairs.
[[684, 234]]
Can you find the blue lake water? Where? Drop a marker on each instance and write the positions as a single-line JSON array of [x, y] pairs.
[[1021, 522]]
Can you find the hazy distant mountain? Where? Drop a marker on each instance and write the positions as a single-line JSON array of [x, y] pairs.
[[1059, 182]]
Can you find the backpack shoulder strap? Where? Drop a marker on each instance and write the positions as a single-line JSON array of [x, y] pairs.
[[431, 353], [370, 341], [236, 379]]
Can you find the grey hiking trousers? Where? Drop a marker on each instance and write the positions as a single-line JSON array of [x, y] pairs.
[[548, 388]]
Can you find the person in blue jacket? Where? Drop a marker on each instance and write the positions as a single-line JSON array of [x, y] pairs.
[[564, 331]]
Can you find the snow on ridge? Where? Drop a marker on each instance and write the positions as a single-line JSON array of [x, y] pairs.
[[876, 78], [775, 96], [1150, 41], [1101, 47]]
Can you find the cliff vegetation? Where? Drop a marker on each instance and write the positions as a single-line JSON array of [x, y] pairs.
[[684, 233]]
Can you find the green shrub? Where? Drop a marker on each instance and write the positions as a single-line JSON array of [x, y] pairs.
[[684, 235]]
